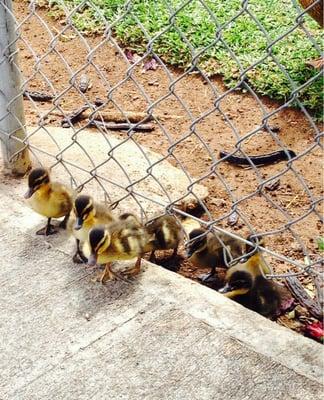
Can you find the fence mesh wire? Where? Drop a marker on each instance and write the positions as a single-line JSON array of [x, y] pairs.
[[192, 114]]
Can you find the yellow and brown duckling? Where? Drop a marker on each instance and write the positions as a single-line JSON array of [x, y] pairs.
[[87, 215], [165, 233], [51, 199], [246, 285], [123, 239], [204, 249]]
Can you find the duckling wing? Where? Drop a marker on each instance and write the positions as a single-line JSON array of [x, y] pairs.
[[165, 232], [267, 297], [103, 215], [60, 200], [127, 241]]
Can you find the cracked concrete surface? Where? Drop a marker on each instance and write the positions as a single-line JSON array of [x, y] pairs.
[[161, 337]]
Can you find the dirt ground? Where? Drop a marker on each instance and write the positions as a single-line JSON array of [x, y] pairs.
[[177, 106]]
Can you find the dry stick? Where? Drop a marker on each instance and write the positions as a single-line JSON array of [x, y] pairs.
[[122, 126], [304, 299], [38, 96], [292, 201], [131, 116], [109, 116], [74, 117], [319, 285]]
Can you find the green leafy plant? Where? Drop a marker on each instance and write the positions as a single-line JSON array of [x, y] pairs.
[[244, 39]]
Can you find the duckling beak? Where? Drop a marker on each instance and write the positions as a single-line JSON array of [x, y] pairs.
[[92, 260], [29, 193], [227, 288], [78, 224]]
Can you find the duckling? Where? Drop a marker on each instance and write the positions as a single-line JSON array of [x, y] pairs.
[[123, 239], [204, 249], [246, 285], [87, 215], [165, 233], [51, 199]]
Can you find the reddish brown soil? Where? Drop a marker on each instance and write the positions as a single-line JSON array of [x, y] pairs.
[[107, 70]]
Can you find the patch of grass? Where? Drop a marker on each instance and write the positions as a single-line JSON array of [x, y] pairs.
[[181, 33], [320, 243]]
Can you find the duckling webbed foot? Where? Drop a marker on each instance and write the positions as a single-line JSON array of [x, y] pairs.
[[136, 269], [208, 278], [79, 258], [49, 229], [109, 275]]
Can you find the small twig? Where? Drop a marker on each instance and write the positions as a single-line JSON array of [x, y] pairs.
[[131, 116], [319, 285], [113, 116], [292, 201], [122, 126], [62, 36], [38, 96], [303, 298], [74, 117]]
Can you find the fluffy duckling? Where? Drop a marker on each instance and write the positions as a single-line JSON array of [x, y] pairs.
[[51, 199], [165, 233], [87, 215], [206, 250], [123, 239], [246, 285]]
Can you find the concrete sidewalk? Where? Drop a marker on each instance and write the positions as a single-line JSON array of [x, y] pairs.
[[161, 337]]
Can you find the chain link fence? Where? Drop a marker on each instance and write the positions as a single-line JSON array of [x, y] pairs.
[[103, 85]]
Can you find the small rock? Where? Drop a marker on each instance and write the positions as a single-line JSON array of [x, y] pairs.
[[275, 128], [98, 102], [273, 185], [153, 83], [232, 219], [87, 316], [218, 202], [296, 247]]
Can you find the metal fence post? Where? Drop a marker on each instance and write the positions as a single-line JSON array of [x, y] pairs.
[[12, 117]]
